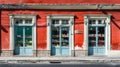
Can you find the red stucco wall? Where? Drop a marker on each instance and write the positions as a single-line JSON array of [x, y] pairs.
[[115, 31], [61, 1], [42, 29]]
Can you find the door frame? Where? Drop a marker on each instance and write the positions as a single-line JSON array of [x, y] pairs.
[[12, 24], [71, 22], [107, 28]]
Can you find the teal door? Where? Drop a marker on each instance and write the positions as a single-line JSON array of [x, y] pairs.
[[96, 40], [60, 38], [23, 40]]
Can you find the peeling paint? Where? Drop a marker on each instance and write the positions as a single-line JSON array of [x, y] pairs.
[[78, 48], [42, 49]]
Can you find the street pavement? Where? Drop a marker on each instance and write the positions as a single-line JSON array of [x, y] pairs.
[[59, 65], [61, 60]]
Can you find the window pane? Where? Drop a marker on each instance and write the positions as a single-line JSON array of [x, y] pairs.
[[92, 30], [101, 21], [55, 21], [101, 36], [18, 21], [92, 36], [65, 36], [92, 21], [55, 36], [65, 22], [19, 36], [28, 21], [28, 36]]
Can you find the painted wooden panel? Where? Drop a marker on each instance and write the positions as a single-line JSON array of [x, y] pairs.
[[65, 51], [56, 51], [96, 51]]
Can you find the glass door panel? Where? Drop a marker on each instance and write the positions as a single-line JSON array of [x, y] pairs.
[[92, 36], [55, 36], [64, 40], [64, 36], [55, 40], [28, 36], [101, 36], [19, 40], [18, 36]]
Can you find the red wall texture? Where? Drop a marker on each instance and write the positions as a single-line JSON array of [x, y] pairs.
[[61, 1], [42, 27]]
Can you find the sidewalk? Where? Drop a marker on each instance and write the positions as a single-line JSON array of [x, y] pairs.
[[48, 60]]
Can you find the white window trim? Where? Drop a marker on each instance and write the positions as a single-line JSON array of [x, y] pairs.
[[12, 23], [71, 20], [107, 27]]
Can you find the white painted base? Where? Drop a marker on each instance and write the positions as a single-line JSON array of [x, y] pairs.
[[114, 53]]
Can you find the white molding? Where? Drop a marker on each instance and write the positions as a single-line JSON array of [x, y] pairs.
[[107, 28], [62, 6], [61, 16], [85, 45], [114, 53], [108, 34], [48, 33], [34, 32], [11, 33], [72, 33], [12, 17]]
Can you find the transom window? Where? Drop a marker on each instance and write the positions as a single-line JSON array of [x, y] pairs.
[[55, 22], [60, 22], [65, 22], [20, 21], [96, 22]]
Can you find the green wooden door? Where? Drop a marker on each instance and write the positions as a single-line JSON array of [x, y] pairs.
[[23, 40]]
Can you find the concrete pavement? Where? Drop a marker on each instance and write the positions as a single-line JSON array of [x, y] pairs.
[[48, 60]]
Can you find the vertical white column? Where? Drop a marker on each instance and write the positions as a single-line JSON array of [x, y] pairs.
[[34, 32], [72, 32], [108, 33], [48, 33], [11, 33], [85, 45]]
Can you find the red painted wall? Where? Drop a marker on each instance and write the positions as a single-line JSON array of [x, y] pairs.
[[41, 26], [61, 1]]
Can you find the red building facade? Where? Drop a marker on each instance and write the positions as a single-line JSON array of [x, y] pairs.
[[59, 28]]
